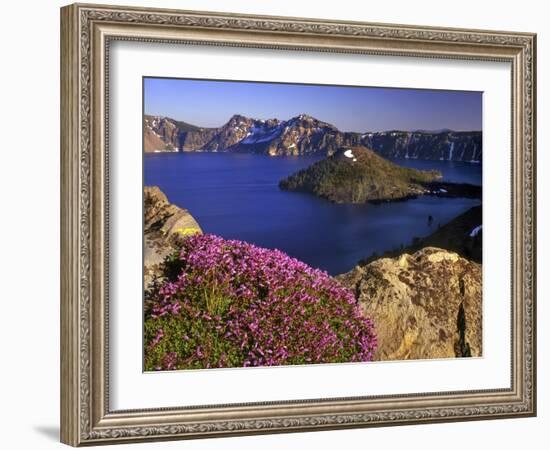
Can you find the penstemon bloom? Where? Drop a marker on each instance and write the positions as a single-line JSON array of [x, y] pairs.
[[228, 303]]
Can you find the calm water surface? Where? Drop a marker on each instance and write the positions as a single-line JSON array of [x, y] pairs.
[[237, 196]]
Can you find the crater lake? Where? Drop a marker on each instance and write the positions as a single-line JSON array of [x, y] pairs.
[[237, 196]]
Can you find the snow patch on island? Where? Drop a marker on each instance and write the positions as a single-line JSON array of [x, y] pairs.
[[349, 154]]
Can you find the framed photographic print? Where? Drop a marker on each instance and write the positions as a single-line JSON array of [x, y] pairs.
[[281, 224]]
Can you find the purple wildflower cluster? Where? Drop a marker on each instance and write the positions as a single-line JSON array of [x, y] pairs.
[[232, 304]]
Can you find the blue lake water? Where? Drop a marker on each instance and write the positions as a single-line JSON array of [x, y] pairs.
[[236, 196]]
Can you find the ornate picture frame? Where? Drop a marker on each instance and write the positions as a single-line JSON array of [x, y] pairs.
[[87, 31]]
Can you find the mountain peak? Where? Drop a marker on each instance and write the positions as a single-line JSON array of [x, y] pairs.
[[307, 120], [304, 117], [238, 118]]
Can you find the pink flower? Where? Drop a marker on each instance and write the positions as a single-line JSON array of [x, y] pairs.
[[258, 307]]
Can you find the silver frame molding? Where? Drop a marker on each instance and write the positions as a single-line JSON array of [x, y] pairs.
[[86, 31]]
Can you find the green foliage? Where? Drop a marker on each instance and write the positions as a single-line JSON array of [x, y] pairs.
[[191, 337]]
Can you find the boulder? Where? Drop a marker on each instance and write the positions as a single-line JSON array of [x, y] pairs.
[[424, 305], [163, 225]]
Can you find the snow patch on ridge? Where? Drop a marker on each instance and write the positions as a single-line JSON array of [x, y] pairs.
[[258, 135], [475, 231]]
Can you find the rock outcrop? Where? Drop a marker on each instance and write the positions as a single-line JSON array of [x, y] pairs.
[[425, 305], [163, 224], [306, 135], [162, 134], [153, 142]]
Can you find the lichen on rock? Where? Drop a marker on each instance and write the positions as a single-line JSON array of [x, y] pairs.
[[425, 305], [164, 224]]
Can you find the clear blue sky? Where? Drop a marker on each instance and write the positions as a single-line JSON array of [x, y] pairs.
[[207, 103]]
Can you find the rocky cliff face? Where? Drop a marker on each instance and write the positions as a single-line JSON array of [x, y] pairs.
[[159, 134], [163, 224], [193, 140], [165, 134], [446, 145], [303, 135], [425, 305]]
